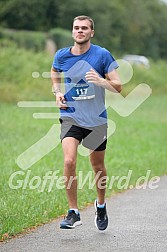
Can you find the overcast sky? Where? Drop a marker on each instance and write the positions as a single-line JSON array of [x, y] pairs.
[[165, 1]]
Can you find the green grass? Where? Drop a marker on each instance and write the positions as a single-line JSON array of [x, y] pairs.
[[16, 68], [138, 144]]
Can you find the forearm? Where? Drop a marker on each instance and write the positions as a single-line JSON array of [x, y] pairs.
[[56, 81], [111, 85], [56, 89]]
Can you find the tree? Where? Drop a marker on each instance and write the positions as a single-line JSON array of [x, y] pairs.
[[29, 15], [131, 26]]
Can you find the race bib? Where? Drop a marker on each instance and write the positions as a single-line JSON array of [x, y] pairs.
[[82, 91]]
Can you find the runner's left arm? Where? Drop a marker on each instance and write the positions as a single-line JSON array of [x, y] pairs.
[[111, 81]]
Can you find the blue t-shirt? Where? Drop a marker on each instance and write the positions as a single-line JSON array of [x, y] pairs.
[[85, 101]]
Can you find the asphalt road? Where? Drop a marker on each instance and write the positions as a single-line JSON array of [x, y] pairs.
[[137, 223]]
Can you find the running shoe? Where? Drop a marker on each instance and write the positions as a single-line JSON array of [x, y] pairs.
[[101, 218], [71, 220]]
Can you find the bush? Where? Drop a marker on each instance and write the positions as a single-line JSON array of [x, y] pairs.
[[61, 37], [27, 39]]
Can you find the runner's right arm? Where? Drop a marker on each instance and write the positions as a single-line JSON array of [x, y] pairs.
[[56, 88]]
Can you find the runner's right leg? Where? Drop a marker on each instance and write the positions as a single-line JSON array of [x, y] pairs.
[[70, 145]]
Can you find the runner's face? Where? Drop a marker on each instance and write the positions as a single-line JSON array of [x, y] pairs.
[[82, 31]]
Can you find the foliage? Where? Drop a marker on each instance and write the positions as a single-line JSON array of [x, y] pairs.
[[16, 71], [29, 15], [27, 39], [61, 37], [131, 26]]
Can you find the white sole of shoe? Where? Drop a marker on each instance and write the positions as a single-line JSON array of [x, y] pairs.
[[95, 215], [77, 223]]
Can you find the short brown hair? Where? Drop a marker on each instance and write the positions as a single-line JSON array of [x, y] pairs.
[[85, 18]]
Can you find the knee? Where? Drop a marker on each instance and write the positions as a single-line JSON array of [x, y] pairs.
[[98, 166], [70, 163]]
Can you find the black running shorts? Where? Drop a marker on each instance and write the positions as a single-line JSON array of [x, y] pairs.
[[93, 138]]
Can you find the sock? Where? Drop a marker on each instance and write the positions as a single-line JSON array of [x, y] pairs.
[[75, 210], [100, 206]]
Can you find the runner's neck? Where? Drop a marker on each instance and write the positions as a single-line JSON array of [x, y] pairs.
[[79, 49]]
